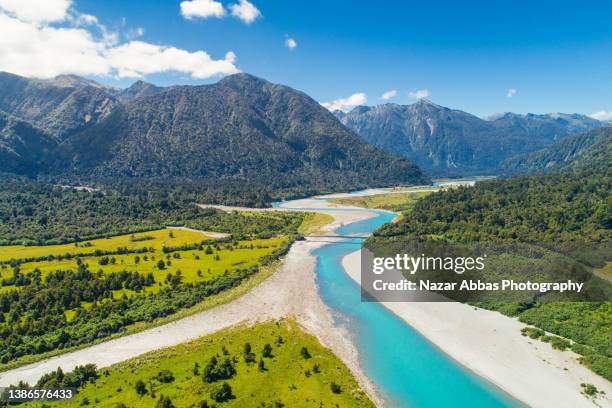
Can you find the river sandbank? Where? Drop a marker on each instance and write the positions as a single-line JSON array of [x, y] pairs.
[[491, 345]]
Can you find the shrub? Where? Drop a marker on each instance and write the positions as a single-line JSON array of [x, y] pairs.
[[165, 376], [164, 402], [222, 393], [141, 388], [335, 388]]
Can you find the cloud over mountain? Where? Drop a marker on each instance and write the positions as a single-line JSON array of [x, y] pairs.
[[51, 38]]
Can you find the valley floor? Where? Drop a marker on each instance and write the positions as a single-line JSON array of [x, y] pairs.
[[290, 291], [488, 343]]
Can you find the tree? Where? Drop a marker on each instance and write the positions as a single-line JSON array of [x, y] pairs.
[[222, 393], [141, 388], [248, 356], [260, 365], [165, 376], [267, 351], [164, 402], [160, 264], [304, 353], [335, 388]]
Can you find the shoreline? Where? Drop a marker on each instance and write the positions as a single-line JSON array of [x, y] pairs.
[[491, 345]]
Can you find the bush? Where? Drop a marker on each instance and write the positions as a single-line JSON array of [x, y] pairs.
[[164, 402], [215, 371], [589, 389], [267, 351], [532, 332], [141, 388], [165, 376], [335, 388], [222, 393]]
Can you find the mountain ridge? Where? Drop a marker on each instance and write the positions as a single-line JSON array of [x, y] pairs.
[[445, 141], [590, 150], [241, 127]]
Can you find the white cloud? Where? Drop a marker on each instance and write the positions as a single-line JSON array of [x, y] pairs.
[[137, 58], [602, 115], [87, 19], [389, 94], [36, 11], [290, 43], [33, 47], [346, 104], [510, 93], [245, 11], [202, 9], [134, 33], [419, 94]]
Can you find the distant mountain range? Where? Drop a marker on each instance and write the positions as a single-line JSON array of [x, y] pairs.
[[444, 141], [241, 128], [591, 150]]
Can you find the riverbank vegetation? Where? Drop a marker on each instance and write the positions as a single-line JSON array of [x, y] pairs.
[[266, 365], [566, 216], [394, 202]]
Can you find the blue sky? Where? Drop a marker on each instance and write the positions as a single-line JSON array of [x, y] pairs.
[[555, 55]]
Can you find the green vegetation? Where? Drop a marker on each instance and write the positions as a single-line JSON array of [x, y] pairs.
[[35, 213], [394, 202], [553, 208], [62, 300], [313, 222], [589, 151], [589, 390], [212, 371], [538, 223], [75, 267]]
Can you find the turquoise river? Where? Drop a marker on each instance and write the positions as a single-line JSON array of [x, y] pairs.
[[407, 369]]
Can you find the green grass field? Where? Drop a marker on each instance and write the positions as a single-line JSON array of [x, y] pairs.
[[159, 238], [289, 377], [313, 222], [194, 265], [393, 202]]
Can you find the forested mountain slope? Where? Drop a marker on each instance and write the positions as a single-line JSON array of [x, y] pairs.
[[585, 151], [446, 141], [242, 128]]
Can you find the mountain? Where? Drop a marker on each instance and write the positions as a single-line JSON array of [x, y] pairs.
[[591, 150], [241, 128], [137, 90], [61, 106], [445, 141], [23, 147]]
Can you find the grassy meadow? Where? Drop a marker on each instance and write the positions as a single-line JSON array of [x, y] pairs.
[[294, 371], [313, 223], [194, 265], [393, 201]]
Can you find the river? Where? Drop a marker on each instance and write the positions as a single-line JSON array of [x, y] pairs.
[[407, 369]]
